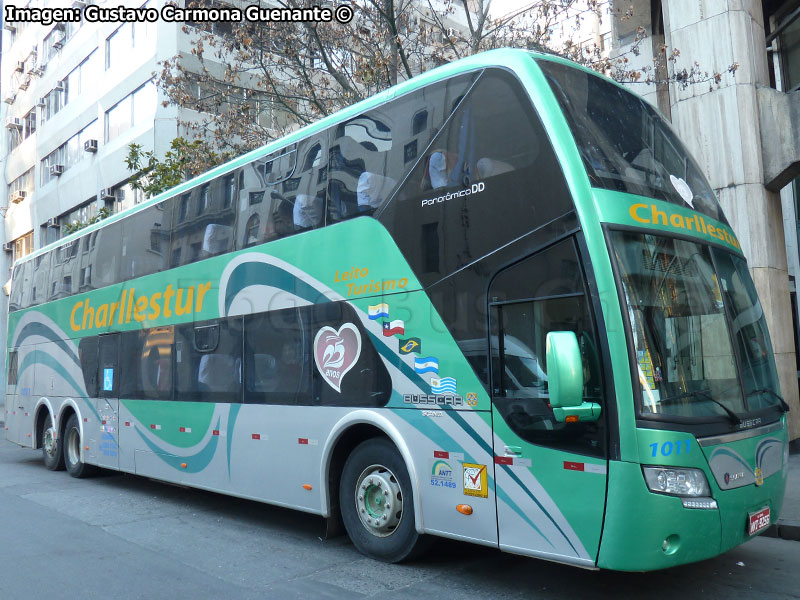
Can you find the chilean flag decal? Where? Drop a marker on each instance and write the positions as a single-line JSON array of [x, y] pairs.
[[396, 327]]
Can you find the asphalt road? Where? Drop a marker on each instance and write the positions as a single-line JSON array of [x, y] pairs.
[[121, 536]]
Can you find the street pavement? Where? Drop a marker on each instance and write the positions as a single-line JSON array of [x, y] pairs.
[[118, 535], [788, 525]]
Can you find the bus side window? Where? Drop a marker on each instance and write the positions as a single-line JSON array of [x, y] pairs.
[[146, 363], [12, 367], [87, 351], [208, 361], [543, 293], [275, 356], [362, 158]]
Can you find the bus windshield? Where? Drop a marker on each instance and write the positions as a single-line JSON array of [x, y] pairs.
[[625, 144], [700, 340]]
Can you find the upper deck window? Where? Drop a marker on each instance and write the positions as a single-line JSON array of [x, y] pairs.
[[625, 144]]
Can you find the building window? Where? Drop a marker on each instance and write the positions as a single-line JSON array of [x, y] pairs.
[[56, 158], [81, 78], [203, 200], [420, 122], [251, 231], [229, 189], [184, 210], [789, 48], [23, 246], [24, 183], [135, 109], [118, 45], [29, 124]]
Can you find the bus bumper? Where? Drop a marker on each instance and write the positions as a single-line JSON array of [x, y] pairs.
[[644, 531]]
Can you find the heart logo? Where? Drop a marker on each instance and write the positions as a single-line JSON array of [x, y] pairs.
[[336, 352]]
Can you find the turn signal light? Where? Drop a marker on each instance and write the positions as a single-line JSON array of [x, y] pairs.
[[306, 486], [571, 419], [464, 509]]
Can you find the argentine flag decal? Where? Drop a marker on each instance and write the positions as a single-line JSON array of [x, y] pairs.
[[429, 364]]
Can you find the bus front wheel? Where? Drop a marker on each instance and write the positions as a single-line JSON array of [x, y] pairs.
[[51, 446], [377, 503], [72, 450]]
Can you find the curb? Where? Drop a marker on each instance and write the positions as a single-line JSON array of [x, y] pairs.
[[785, 530]]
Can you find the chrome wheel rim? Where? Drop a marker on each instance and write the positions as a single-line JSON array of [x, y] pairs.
[[49, 442], [379, 500]]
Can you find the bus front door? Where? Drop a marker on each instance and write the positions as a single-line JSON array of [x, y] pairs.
[[550, 476], [105, 437]]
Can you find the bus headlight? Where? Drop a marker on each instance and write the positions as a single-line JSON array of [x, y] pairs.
[[676, 482]]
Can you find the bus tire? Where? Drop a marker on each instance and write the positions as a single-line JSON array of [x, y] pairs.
[[72, 450], [52, 455], [377, 503]]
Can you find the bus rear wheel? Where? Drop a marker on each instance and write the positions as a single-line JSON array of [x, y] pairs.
[[72, 450], [52, 455], [377, 503]]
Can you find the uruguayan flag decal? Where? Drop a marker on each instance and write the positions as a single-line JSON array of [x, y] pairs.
[[445, 385]]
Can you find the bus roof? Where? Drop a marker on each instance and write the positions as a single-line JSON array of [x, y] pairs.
[[508, 57]]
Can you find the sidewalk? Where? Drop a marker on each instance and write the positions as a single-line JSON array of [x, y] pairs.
[[788, 525]]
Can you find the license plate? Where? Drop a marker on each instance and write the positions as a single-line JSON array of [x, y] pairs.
[[758, 521]]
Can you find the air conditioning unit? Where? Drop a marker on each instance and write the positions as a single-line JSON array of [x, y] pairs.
[[25, 83], [42, 102], [52, 222], [13, 123], [20, 68], [90, 146], [107, 194], [39, 70], [10, 98], [58, 40], [59, 87], [56, 170], [8, 246], [31, 67], [10, 27], [18, 196], [81, 4]]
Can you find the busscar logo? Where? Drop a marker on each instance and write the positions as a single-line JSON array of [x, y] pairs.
[[748, 423], [433, 399]]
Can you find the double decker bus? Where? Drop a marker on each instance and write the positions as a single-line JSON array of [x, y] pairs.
[[497, 303]]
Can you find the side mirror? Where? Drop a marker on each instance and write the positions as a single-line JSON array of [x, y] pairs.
[[565, 379]]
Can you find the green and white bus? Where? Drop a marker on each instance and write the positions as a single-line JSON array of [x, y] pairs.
[[497, 303]]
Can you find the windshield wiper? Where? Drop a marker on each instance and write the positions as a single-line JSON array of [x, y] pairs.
[[784, 405], [705, 394]]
